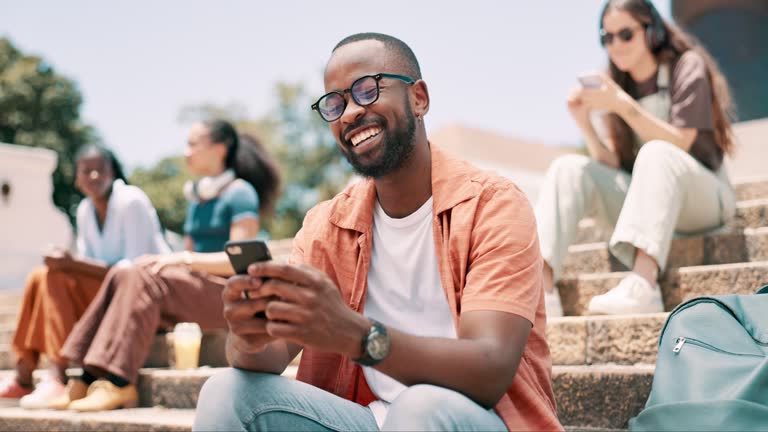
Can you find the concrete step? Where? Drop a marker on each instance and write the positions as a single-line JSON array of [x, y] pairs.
[[603, 397], [749, 189], [211, 349], [749, 214], [137, 419], [6, 333], [8, 314], [7, 357], [725, 246], [590, 397], [591, 340], [677, 285]]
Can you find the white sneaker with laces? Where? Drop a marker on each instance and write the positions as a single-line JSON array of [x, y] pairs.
[[633, 295], [47, 390], [552, 304]]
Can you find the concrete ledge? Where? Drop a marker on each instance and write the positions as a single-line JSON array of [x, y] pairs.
[[724, 246], [603, 397], [138, 419], [591, 340], [751, 189], [7, 357], [677, 285], [592, 397]]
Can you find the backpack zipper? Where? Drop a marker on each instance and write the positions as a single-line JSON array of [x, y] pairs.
[[679, 342]]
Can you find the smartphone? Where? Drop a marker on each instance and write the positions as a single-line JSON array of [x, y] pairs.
[[243, 253], [591, 81]]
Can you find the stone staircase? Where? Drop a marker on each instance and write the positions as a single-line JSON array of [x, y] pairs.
[[602, 365]]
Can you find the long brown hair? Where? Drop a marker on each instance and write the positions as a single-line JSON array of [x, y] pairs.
[[671, 48], [250, 160]]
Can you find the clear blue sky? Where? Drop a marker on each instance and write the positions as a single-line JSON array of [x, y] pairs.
[[502, 65]]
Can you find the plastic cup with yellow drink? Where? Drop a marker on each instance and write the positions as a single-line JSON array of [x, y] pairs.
[[186, 345]]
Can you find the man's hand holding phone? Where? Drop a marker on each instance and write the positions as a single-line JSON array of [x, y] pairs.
[[304, 307], [245, 313], [243, 307]]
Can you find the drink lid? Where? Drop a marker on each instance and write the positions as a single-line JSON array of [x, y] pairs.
[[187, 328]]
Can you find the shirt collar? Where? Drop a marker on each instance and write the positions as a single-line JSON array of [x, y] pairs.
[[451, 185]]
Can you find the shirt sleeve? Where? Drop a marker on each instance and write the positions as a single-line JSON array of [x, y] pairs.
[[691, 94], [243, 202], [692, 108], [505, 264]]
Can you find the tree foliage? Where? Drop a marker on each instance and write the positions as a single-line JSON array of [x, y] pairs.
[[163, 184], [40, 108], [312, 167]]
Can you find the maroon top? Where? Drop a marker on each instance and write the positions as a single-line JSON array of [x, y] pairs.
[[691, 105]]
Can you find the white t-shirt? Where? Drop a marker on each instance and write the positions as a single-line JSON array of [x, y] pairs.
[[130, 230], [404, 289]]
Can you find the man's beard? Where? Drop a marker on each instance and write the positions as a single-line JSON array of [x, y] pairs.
[[397, 149]]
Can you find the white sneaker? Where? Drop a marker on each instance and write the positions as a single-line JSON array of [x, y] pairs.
[[633, 295], [552, 304], [47, 390]]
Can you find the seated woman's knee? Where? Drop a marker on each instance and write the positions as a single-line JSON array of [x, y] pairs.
[[658, 151], [126, 277], [569, 163]]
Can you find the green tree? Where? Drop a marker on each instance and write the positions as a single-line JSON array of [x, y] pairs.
[[163, 184], [40, 108], [313, 169]]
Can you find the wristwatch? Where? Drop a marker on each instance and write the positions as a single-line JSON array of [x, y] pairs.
[[375, 345]]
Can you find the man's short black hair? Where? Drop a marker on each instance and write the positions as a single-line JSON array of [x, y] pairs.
[[401, 51]]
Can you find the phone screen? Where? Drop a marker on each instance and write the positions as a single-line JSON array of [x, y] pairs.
[[246, 252]]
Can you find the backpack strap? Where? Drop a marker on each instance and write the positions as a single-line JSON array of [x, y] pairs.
[[763, 290]]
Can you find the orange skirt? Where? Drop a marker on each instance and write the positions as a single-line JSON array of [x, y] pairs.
[[52, 303]]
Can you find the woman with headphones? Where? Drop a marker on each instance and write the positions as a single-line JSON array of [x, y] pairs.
[[238, 187], [656, 168]]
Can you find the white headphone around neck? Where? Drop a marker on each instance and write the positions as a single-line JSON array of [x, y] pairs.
[[208, 188]]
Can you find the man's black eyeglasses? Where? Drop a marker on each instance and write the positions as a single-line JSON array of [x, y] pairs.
[[365, 91], [626, 34]]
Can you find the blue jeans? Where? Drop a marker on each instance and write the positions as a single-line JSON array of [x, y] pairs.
[[235, 400]]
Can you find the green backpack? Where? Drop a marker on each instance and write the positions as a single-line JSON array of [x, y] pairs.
[[712, 368]]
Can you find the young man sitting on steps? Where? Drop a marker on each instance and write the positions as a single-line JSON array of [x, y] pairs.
[[416, 294]]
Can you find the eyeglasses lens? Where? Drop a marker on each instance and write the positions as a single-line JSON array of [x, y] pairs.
[[365, 91]]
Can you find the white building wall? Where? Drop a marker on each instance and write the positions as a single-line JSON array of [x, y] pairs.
[[28, 219]]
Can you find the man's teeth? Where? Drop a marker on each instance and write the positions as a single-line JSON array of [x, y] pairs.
[[364, 135]]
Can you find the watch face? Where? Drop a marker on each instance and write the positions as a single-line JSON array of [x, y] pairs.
[[378, 346]]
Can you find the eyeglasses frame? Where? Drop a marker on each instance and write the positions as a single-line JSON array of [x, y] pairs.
[[342, 93]]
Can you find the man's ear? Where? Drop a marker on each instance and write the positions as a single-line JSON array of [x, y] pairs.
[[419, 98]]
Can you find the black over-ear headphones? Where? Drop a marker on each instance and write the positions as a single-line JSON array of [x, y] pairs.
[[655, 33]]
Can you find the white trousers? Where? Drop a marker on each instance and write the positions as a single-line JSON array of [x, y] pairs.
[[669, 191]]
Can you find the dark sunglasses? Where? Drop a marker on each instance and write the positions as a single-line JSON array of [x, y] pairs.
[[364, 91], [626, 34]]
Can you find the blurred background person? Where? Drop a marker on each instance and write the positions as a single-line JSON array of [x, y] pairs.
[[657, 169], [238, 185], [115, 222]]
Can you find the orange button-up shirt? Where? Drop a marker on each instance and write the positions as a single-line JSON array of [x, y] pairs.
[[488, 258]]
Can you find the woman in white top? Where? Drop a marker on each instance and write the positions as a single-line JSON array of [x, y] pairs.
[[658, 168], [115, 222]]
